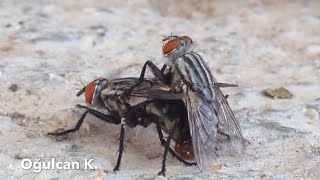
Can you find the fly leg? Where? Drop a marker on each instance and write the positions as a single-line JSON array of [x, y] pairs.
[[172, 152], [131, 122], [221, 133], [224, 134], [121, 148], [167, 147], [219, 130], [104, 117], [155, 70]]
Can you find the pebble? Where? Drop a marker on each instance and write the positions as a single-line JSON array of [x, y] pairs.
[[86, 127], [62, 138], [312, 114], [21, 154]]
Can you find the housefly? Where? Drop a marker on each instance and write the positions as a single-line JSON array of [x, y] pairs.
[[169, 115], [207, 108]]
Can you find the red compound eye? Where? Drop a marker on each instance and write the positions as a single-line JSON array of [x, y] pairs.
[[186, 38], [171, 46], [89, 92]]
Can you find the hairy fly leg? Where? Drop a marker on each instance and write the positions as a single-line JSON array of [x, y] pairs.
[[131, 121], [220, 132], [224, 134], [104, 117], [172, 152], [121, 147], [167, 147], [155, 70]]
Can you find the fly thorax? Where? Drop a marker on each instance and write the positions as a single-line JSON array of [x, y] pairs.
[[99, 103], [178, 85], [184, 88], [169, 64], [115, 105], [176, 81]]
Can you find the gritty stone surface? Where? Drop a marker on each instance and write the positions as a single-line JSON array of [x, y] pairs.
[[48, 48]]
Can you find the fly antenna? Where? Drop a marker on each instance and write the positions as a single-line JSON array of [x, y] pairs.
[[81, 91]]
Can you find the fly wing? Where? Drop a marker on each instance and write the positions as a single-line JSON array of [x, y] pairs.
[[228, 120], [201, 103], [158, 94], [156, 90], [202, 122]]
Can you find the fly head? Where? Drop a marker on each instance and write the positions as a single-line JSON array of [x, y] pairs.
[[176, 46], [93, 90]]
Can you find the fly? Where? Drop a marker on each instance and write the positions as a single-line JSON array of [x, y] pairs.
[[208, 110], [137, 109]]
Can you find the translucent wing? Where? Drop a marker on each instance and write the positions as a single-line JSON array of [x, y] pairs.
[[156, 90], [159, 90], [206, 105], [203, 122], [229, 121]]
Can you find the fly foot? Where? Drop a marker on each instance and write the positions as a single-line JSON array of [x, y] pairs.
[[81, 106], [162, 173]]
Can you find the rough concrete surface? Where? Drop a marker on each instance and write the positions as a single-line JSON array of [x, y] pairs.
[[49, 48]]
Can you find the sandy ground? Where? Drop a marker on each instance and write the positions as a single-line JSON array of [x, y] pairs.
[[47, 49]]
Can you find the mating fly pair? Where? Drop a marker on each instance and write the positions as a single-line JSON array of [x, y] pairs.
[[185, 102]]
